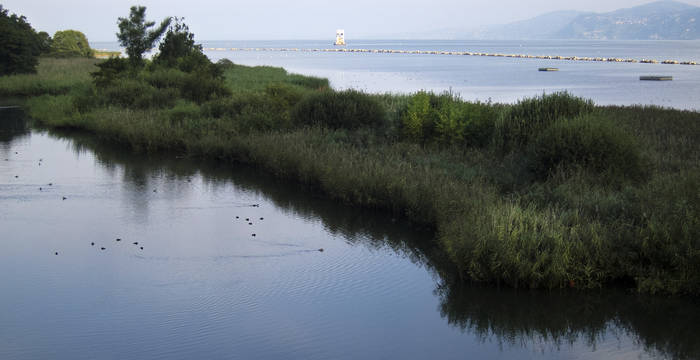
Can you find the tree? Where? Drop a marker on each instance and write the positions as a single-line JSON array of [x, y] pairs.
[[135, 36], [177, 44], [70, 43], [45, 42], [20, 45]]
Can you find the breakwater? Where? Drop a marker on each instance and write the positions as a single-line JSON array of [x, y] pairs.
[[465, 53]]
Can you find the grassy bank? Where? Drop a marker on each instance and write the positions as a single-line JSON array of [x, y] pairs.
[[551, 192]]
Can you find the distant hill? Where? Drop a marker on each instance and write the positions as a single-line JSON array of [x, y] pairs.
[[661, 20], [540, 27]]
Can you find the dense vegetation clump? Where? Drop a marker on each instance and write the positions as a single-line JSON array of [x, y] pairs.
[[20, 45], [70, 43], [349, 109]]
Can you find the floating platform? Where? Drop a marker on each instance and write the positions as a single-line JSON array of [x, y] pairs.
[[656, 78], [548, 69]]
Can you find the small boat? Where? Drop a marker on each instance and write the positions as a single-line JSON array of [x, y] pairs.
[[548, 69], [656, 78]]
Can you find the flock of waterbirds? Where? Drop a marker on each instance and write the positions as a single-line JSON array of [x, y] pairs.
[[136, 243]]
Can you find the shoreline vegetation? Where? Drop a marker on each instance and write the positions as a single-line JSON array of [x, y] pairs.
[[551, 192]]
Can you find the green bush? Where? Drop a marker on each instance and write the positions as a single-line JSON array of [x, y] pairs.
[[70, 43], [183, 110], [250, 111], [110, 70], [418, 116], [589, 141], [288, 94], [529, 117], [133, 93], [447, 119], [163, 77], [349, 109], [201, 87]]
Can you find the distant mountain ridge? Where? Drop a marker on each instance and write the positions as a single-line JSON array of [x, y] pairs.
[[661, 20]]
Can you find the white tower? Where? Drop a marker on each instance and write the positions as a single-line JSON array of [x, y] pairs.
[[340, 37]]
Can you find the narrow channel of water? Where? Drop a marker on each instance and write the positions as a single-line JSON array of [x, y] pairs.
[[204, 287]]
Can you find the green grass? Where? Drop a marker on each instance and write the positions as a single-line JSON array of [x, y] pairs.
[[258, 78], [551, 192], [54, 76]]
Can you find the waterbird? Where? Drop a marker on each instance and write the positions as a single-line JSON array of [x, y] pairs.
[[64, 198], [50, 184], [40, 188], [261, 218], [253, 234], [141, 247], [136, 242], [16, 176], [320, 250], [56, 253], [250, 223], [236, 217], [246, 219], [118, 239], [103, 248], [92, 243]]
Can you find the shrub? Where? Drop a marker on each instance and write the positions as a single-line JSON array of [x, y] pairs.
[[250, 111], [162, 77], [349, 109], [109, 71], [183, 110], [529, 117], [589, 141], [138, 94], [416, 118], [70, 43], [225, 63], [288, 94], [201, 87], [446, 119]]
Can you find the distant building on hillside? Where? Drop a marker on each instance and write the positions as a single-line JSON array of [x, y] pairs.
[[340, 37]]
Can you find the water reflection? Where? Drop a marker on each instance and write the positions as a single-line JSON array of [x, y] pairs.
[[12, 126], [544, 321]]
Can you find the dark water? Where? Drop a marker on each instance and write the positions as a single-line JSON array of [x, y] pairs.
[[204, 287]]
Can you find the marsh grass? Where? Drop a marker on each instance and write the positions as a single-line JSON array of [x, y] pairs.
[[54, 76], [555, 193]]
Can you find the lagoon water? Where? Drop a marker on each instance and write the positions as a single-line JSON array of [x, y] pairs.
[[493, 78], [203, 287]]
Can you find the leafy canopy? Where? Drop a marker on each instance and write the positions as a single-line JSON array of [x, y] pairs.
[[20, 45], [136, 36], [70, 43]]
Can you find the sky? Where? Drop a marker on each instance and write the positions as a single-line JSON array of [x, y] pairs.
[[297, 19]]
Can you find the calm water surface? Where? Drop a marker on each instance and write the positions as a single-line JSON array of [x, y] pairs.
[[489, 78], [204, 287]]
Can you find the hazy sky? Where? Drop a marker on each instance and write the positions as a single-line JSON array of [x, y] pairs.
[[296, 19]]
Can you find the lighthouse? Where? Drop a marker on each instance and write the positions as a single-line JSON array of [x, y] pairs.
[[340, 37]]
